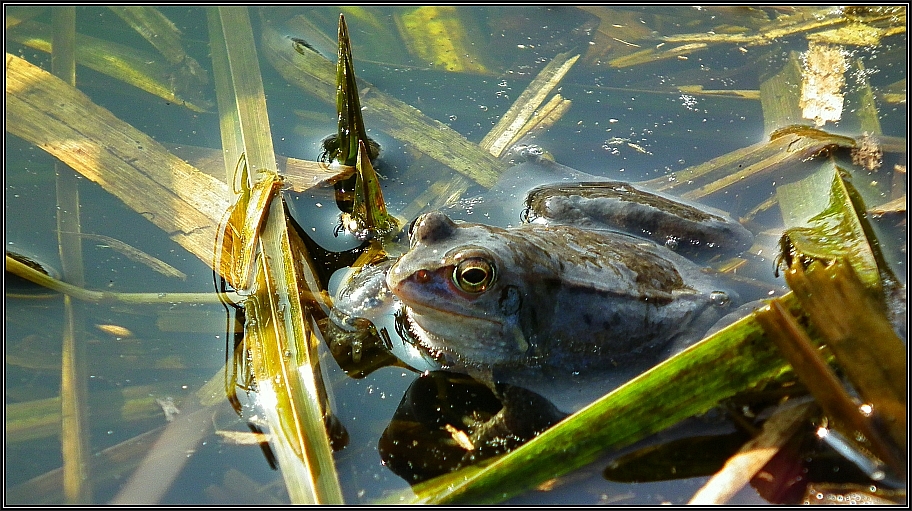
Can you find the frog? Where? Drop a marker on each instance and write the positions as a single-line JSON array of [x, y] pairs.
[[599, 281], [602, 279]]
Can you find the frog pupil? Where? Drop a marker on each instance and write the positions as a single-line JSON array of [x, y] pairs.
[[474, 275]]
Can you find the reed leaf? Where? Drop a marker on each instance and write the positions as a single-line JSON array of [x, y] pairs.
[[311, 72], [126, 162], [156, 28], [645, 405], [281, 341]]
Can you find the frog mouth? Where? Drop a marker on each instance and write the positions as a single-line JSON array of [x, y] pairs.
[[424, 310]]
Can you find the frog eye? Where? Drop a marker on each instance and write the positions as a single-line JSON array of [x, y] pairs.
[[474, 275]]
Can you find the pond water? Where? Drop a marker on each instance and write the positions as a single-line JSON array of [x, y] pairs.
[[631, 120]]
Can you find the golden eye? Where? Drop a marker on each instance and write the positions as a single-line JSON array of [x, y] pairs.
[[474, 275]]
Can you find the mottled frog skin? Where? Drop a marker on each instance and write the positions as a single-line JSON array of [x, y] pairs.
[[553, 296]]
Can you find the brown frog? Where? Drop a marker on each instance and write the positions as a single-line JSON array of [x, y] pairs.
[[554, 298], [553, 313]]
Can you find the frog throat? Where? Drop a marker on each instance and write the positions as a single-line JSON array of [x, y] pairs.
[[438, 346]]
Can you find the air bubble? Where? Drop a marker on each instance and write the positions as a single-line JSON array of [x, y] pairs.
[[719, 298]]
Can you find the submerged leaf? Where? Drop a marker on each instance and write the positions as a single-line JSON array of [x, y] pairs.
[[140, 69], [134, 254], [161, 32], [438, 35], [678, 459]]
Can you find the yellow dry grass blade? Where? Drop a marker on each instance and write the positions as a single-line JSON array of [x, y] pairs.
[[142, 70], [282, 344], [126, 162]]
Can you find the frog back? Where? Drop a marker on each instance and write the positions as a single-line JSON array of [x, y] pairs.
[[605, 299]]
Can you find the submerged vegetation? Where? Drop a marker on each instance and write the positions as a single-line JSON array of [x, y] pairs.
[[127, 376]]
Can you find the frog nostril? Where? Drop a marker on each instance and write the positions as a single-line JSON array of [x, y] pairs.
[[422, 276]]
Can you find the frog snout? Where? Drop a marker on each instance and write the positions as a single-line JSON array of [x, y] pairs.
[[394, 276]]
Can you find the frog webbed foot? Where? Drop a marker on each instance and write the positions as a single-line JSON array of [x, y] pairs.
[[524, 416]]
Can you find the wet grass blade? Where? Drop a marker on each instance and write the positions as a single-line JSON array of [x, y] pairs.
[[845, 301], [821, 380], [369, 218], [650, 55], [861, 338], [766, 35], [134, 254], [299, 175], [74, 438], [787, 146], [166, 458], [348, 104], [690, 383], [780, 94], [25, 271], [282, 344], [156, 28], [110, 465], [754, 455], [17, 14], [38, 419], [438, 35], [821, 224], [241, 234], [126, 162], [508, 127]]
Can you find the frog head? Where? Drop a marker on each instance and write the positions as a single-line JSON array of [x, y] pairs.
[[463, 289]]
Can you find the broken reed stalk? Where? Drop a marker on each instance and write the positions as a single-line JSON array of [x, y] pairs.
[[820, 379], [754, 455]]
